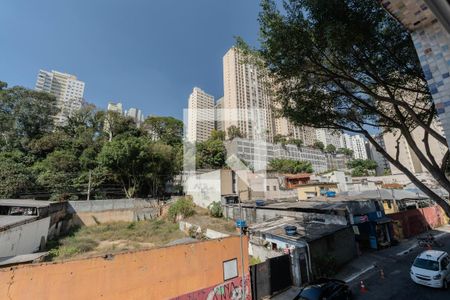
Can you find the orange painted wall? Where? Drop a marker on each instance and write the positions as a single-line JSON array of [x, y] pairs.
[[149, 274]]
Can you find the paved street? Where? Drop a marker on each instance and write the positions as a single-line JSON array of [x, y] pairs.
[[397, 284]]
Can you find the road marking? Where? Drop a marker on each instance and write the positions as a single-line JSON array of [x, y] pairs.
[[356, 275]]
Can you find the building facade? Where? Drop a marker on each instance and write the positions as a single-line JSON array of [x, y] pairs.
[[247, 101], [67, 89], [259, 154], [429, 24], [382, 163], [329, 137], [200, 116], [136, 115], [219, 115], [117, 107], [406, 155], [359, 147]]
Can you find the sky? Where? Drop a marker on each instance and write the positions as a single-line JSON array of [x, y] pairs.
[[147, 54]]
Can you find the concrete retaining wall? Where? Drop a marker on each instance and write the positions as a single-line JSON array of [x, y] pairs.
[[88, 213]]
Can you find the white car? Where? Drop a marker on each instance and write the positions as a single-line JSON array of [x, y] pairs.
[[431, 268]]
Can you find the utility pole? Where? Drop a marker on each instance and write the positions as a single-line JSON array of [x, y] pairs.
[[242, 248], [89, 186]]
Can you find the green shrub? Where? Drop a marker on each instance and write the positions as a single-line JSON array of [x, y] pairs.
[[182, 207], [215, 210]]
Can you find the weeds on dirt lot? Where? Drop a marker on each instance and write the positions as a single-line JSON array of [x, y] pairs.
[[114, 236]]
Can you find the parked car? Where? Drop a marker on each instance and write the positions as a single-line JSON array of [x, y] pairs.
[[431, 268], [330, 289]]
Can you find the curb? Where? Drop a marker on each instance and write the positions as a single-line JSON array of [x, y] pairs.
[[437, 236]]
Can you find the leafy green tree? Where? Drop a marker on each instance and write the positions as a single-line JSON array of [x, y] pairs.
[[24, 115], [215, 209], [182, 208], [348, 65], [114, 124], [319, 145], [162, 166], [345, 151], [127, 160], [165, 129], [234, 132], [57, 173], [15, 176], [218, 135], [290, 166], [211, 154], [297, 142], [362, 167], [279, 139], [330, 148]]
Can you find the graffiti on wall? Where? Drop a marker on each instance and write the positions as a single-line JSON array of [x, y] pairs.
[[229, 290]]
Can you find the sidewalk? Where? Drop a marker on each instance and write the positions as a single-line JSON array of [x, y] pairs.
[[370, 260]]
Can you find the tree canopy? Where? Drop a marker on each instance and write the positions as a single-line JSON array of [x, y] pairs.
[[348, 65], [104, 148], [234, 132], [362, 167], [290, 166]]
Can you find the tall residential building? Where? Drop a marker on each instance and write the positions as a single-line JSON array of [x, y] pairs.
[[219, 114], [329, 137], [117, 107], [429, 24], [200, 116], [67, 89], [373, 154], [136, 115], [285, 128], [346, 141], [359, 147], [406, 156], [247, 101]]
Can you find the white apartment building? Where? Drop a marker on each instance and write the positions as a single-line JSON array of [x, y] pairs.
[[219, 115], [328, 136], [359, 147], [136, 115], [117, 107], [200, 116], [406, 156], [373, 154], [247, 101], [66, 88], [258, 154], [346, 141]]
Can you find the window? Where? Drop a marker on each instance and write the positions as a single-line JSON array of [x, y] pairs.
[[268, 188], [230, 269], [444, 263], [274, 187]]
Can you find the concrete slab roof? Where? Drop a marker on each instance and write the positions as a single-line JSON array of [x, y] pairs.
[[25, 202], [20, 259], [306, 231], [324, 204], [11, 221]]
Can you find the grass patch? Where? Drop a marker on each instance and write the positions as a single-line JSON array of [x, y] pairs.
[[129, 236]]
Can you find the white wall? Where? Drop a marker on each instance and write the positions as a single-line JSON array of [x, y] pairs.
[[205, 188], [23, 239]]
